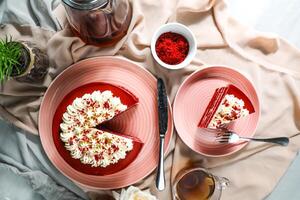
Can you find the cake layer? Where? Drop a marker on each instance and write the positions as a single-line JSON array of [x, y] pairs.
[[212, 106], [227, 104]]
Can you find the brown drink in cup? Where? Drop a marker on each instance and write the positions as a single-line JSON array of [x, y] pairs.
[[198, 184]]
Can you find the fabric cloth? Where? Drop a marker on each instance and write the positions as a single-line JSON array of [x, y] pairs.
[[268, 61], [29, 12], [25, 168]]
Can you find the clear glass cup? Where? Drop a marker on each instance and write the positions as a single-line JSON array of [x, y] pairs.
[[198, 184]]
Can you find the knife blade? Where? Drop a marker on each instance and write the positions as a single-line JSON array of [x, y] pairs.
[[162, 101]]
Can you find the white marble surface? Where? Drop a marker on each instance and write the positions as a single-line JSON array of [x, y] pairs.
[[277, 16]]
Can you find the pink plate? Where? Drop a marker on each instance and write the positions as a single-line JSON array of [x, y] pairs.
[[140, 122], [196, 92]]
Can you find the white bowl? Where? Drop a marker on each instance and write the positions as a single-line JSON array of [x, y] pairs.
[[182, 30]]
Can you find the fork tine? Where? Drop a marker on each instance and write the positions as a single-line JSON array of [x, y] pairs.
[[224, 135], [223, 138], [223, 141]]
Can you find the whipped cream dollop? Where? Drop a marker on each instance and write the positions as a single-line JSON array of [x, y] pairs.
[[92, 146], [231, 108]]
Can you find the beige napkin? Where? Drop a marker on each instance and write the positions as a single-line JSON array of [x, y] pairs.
[[268, 61]]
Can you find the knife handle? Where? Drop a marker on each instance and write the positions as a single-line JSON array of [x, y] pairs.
[[160, 177]]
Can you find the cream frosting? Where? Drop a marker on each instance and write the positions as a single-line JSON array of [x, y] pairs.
[[98, 148], [231, 108], [92, 146]]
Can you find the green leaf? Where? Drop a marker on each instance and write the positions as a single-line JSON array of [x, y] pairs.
[[10, 53]]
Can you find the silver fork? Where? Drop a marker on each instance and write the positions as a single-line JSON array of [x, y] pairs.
[[229, 136]]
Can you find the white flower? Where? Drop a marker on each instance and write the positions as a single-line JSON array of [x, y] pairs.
[[134, 193]]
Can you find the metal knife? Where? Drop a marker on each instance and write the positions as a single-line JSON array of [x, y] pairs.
[[162, 101]]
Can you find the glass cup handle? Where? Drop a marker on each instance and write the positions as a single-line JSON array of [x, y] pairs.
[[222, 183]]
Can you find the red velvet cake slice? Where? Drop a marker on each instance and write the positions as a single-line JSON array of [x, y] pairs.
[[227, 104]]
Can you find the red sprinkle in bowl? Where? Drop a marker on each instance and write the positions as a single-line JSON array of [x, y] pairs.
[[179, 29]]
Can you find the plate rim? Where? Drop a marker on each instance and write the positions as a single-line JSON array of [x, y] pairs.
[[205, 67], [43, 141]]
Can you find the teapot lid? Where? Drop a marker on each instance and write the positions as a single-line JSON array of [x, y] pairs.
[[85, 4]]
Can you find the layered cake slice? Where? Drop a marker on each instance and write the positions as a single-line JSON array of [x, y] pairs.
[[227, 104], [99, 148], [84, 137]]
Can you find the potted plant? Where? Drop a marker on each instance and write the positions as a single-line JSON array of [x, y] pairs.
[[16, 59]]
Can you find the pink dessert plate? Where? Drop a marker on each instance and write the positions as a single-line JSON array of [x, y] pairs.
[[192, 99], [140, 121]]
